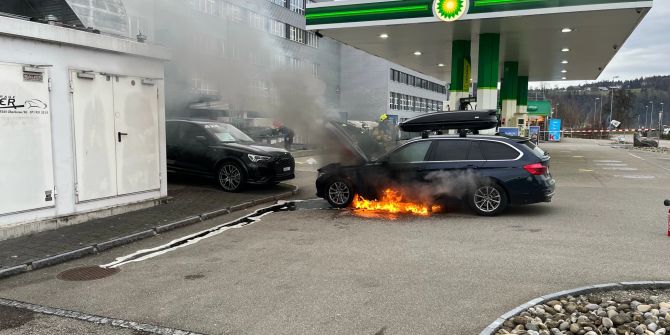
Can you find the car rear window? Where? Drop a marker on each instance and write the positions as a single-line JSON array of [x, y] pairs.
[[497, 151], [535, 149]]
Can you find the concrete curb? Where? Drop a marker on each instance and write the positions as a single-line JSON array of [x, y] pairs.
[[61, 258], [123, 240], [495, 325], [99, 320]]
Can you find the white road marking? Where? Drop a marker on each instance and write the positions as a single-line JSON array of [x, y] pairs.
[[634, 177], [654, 164], [606, 161], [620, 168], [191, 239], [611, 164]]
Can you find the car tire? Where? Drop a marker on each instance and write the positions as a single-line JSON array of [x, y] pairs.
[[339, 192], [231, 177], [488, 200]]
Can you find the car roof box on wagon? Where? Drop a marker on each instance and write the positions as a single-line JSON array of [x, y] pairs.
[[472, 120]]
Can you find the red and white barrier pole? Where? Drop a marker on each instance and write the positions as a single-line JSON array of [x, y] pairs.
[[667, 203]]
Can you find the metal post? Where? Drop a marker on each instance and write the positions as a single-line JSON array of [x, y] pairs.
[[651, 118], [646, 115]]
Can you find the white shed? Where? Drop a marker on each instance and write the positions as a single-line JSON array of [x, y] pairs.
[[82, 130]]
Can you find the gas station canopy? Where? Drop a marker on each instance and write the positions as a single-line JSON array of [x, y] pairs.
[[550, 39]]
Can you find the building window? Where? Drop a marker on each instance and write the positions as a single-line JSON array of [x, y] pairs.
[[256, 21], [312, 40], [315, 70], [277, 28], [298, 6], [296, 35], [279, 2]]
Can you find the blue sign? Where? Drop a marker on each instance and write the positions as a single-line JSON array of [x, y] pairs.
[[555, 130], [509, 131], [534, 134]]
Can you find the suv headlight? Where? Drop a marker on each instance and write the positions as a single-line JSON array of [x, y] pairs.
[[258, 158]]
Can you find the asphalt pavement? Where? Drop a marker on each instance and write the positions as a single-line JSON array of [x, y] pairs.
[[330, 272]]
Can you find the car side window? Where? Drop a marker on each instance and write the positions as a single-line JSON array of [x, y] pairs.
[[413, 152], [498, 151], [476, 152], [189, 133], [450, 150], [172, 133]]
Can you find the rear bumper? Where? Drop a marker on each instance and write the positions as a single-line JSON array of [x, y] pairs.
[[540, 189]]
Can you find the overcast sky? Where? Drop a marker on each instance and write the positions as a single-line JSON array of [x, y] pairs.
[[645, 53]]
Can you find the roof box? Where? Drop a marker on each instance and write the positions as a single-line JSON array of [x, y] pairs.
[[472, 120]]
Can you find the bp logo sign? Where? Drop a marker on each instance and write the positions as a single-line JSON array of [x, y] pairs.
[[450, 10]]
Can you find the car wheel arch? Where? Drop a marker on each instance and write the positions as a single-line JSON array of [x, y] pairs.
[[222, 161]]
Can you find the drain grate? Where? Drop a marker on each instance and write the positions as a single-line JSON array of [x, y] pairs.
[[86, 273]]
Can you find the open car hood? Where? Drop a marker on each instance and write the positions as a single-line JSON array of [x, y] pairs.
[[473, 120], [354, 141]]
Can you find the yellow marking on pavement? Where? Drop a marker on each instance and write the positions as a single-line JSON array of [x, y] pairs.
[[577, 156], [585, 170]]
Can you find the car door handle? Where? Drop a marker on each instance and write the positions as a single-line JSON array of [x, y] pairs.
[[121, 134]]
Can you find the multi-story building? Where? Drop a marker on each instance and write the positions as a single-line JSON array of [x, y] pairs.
[[245, 62], [372, 86], [249, 62]]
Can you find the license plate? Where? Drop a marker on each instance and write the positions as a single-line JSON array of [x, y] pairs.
[[286, 169]]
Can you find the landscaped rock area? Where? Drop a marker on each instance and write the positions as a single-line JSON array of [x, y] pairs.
[[638, 312]]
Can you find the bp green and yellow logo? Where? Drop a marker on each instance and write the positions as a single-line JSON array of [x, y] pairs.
[[450, 10]]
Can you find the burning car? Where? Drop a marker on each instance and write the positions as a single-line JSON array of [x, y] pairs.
[[490, 173]]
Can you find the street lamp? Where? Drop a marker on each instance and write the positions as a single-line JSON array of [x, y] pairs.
[[651, 118], [660, 122], [646, 115], [595, 107], [612, 101]]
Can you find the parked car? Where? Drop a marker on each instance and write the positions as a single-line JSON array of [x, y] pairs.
[[504, 171], [221, 151]]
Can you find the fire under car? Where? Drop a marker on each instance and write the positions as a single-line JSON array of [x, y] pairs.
[[490, 173]]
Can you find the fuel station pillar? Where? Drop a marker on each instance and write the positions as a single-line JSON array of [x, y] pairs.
[[509, 90], [487, 73], [522, 100], [461, 72]]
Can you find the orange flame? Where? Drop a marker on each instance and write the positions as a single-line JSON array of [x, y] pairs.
[[392, 202]]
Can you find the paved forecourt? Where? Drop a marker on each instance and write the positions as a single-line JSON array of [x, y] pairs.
[[326, 271]]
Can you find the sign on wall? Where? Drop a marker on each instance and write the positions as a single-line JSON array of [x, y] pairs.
[[26, 165], [450, 10]]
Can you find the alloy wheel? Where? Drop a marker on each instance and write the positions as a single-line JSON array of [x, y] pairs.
[[230, 177], [339, 193], [487, 199]]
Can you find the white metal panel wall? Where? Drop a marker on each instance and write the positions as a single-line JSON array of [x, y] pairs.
[[95, 144], [137, 132], [26, 158]]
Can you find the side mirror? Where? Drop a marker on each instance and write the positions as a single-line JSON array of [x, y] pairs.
[[202, 140]]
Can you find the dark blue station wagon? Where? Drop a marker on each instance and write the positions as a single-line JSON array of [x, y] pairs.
[[489, 172]]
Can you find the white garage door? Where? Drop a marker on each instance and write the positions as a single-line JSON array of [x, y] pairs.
[[26, 166], [95, 143], [137, 149], [116, 135]]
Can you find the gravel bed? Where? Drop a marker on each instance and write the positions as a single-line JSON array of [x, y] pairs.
[[662, 150], [634, 312]]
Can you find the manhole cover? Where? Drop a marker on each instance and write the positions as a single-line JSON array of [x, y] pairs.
[[85, 273]]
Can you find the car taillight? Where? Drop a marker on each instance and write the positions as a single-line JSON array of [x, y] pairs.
[[536, 169]]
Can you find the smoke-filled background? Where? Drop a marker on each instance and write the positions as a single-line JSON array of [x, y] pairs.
[[234, 61]]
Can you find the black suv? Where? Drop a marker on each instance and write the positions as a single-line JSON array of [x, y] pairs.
[[224, 152], [489, 172]]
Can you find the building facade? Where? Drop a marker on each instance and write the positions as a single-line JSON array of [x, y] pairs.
[[82, 123], [372, 86]]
